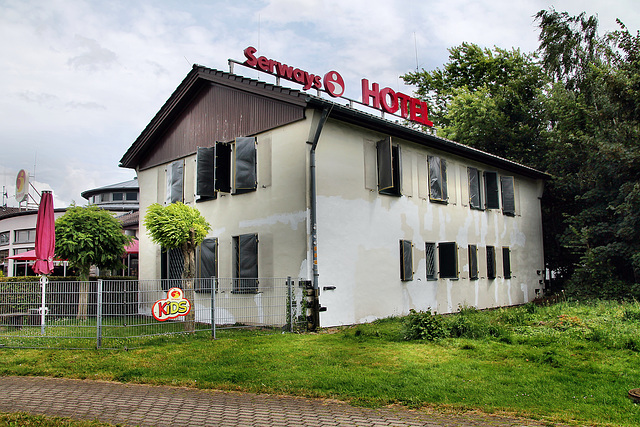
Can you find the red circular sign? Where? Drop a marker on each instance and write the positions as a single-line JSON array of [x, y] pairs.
[[334, 84]]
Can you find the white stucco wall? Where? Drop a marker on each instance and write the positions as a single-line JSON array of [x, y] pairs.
[[359, 232]]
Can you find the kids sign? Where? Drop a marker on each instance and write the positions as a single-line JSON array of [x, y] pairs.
[[385, 99], [174, 306]]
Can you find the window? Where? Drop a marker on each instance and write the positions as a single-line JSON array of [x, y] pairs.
[[437, 179], [4, 238], [506, 262], [245, 263], [406, 260], [117, 197], [388, 157], [25, 236], [473, 262], [175, 182], [228, 167], [508, 195], [171, 266], [448, 260], [492, 199], [207, 264], [131, 196], [491, 262], [475, 197], [430, 251]]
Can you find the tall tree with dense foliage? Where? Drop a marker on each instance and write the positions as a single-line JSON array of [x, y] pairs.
[[571, 109], [87, 236], [178, 226]]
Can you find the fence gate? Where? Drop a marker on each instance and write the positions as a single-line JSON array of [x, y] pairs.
[[132, 313]]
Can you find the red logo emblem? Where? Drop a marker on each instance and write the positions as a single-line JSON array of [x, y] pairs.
[[334, 84]]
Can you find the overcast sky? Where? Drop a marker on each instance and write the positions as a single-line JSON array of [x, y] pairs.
[[80, 79]]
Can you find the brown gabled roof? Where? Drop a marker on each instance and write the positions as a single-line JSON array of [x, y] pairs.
[[200, 77]]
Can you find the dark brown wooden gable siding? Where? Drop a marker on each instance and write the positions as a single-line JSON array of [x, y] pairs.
[[218, 113]]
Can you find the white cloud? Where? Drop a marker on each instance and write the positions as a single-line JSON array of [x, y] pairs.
[[81, 79]]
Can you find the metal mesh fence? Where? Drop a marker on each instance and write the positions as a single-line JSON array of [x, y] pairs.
[[134, 313]]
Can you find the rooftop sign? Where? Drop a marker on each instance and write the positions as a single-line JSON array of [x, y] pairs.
[[385, 99]]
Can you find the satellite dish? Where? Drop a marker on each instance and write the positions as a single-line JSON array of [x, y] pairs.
[[22, 186]]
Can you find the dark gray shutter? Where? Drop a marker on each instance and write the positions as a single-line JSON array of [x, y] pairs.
[[222, 167], [207, 264], [176, 186], [508, 195], [491, 190], [506, 262], [491, 262], [406, 260], [205, 158], [473, 262], [246, 264], [443, 179], [385, 164], [245, 177], [474, 188], [448, 260]]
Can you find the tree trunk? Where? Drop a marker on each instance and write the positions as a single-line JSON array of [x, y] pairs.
[[188, 275], [83, 295]]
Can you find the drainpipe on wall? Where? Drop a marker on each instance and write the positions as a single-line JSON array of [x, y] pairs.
[[312, 190]]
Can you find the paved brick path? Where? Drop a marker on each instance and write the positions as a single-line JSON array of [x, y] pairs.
[[143, 405]]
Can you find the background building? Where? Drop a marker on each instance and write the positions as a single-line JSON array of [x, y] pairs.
[[18, 228]]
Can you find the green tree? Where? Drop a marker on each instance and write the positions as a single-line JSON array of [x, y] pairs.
[[594, 150], [87, 236], [178, 226], [488, 99]]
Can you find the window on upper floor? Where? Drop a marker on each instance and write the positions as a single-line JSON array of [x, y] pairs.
[[475, 195], [406, 260], [4, 238], [117, 197], [389, 167], [437, 179], [492, 198], [25, 236], [508, 195], [175, 182], [228, 167], [132, 196]]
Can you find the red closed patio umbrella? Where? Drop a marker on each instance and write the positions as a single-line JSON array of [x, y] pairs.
[[45, 235], [45, 247]]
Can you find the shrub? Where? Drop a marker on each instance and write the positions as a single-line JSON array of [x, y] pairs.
[[423, 325]]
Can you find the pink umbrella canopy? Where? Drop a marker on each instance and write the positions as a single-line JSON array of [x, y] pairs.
[[45, 235]]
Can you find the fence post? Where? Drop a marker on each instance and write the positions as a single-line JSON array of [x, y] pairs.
[[99, 315], [289, 287], [213, 307]]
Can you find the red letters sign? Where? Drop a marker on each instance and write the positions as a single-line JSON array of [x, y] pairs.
[[386, 99], [174, 306], [390, 101]]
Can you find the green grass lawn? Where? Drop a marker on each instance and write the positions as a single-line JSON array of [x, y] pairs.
[[567, 362]]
